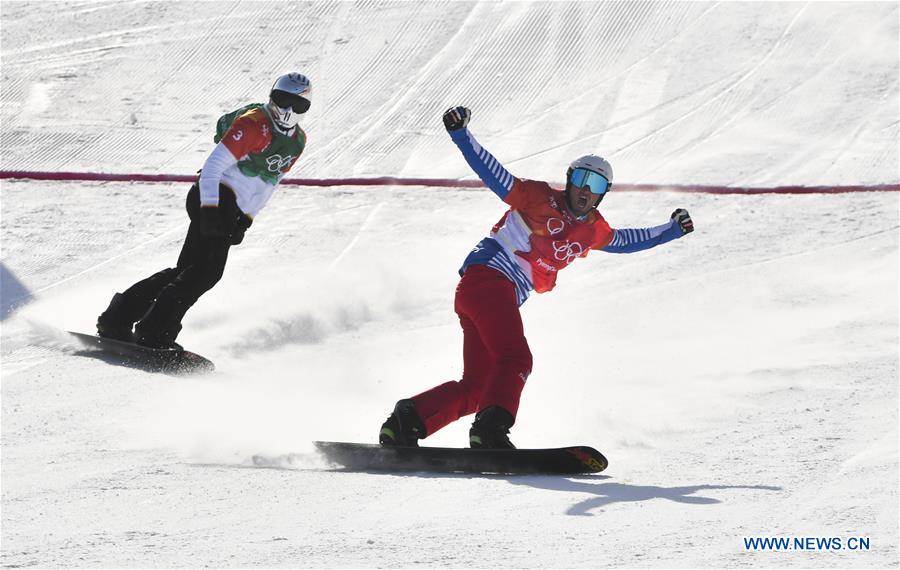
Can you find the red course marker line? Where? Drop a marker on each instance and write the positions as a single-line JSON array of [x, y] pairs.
[[444, 183]]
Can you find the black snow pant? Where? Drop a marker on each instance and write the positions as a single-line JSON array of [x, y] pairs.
[[158, 303]]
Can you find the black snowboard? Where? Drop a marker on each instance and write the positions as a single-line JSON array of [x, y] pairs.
[[171, 361], [365, 457]]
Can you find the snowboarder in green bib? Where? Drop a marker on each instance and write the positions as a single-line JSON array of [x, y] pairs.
[[256, 146]]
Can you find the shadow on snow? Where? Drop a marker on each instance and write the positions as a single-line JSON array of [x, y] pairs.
[[605, 494], [602, 493]]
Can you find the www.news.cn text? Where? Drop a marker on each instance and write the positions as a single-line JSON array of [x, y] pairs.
[[783, 543]]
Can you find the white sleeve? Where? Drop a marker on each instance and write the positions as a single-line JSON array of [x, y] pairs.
[[219, 160]]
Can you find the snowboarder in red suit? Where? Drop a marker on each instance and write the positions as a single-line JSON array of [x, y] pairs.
[[541, 234]]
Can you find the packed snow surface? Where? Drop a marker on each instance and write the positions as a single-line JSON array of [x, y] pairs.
[[742, 381]]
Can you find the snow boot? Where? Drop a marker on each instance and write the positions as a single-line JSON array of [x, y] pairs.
[[490, 430], [403, 427], [162, 323], [118, 319]]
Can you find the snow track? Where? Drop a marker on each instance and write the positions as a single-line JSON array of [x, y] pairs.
[[743, 381]]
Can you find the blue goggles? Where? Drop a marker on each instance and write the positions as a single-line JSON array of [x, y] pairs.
[[597, 183]]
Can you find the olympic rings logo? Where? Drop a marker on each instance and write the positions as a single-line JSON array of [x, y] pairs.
[[277, 163], [568, 251]]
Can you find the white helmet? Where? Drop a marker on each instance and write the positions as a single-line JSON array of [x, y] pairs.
[[589, 171], [289, 98], [593, 163]]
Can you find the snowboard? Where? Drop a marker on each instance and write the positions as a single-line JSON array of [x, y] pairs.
[[557, 461], [172, 361]]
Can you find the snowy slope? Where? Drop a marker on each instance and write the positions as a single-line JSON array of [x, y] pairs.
[[742, 381], [687, 92]]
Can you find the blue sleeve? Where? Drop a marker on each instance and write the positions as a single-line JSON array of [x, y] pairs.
[[491, 172], [638, 239]]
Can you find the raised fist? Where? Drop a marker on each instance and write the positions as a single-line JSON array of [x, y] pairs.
[[684, 221], [457, 118]]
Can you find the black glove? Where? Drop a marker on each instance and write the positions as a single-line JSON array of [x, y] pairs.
[[683, 219], [240, 228], [210, 222], [457, 118]]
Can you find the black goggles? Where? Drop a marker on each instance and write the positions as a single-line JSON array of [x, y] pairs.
[[287, 100]]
